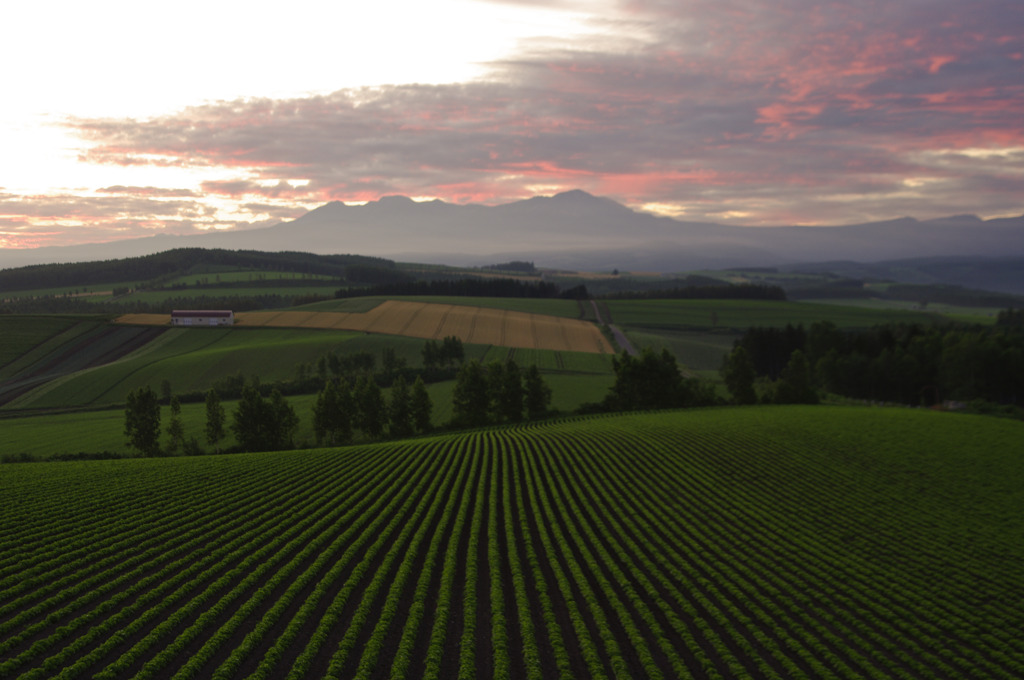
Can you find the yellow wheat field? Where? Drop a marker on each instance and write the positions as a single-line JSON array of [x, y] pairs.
[[432, 321]]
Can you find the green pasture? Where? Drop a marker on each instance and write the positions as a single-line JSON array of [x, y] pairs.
[[94, 431], [738, 315], [45, 436], [700, 351], [190, 360], [978, 315]]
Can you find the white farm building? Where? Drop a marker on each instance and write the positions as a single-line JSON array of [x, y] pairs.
[[202, 317]]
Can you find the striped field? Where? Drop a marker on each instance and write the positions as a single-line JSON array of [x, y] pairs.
[[744, 543], [476, 325]]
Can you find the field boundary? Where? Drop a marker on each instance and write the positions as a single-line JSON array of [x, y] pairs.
[[431, 321]]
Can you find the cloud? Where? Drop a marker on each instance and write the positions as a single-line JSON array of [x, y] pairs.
[[781, 111], [152, 192], [71, 219]]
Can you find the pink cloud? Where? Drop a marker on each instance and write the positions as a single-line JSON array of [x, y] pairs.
[[723, 103]]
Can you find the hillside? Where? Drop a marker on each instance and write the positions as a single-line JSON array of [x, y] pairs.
[[762, 542]]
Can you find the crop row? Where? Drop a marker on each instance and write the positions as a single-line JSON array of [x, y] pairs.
[[666, 545]]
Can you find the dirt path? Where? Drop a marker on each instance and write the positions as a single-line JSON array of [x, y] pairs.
[[620, 338]]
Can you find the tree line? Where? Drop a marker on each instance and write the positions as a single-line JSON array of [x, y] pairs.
[[172, 263], [496, 393], [469, 287], [904, 363]]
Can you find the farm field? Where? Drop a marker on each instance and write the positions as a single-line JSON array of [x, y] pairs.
[[981, 315], [786, 542], [698, 351], [189, 359], [97, 431], [569, 309], [21, 333], [475, 325], [738, 315], [47, 435]]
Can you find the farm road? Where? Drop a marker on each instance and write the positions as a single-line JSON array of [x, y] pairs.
[[620, 338]]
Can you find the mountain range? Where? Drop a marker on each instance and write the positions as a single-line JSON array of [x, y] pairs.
[[572, 230]]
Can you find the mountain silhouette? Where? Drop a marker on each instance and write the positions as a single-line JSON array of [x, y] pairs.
[[573, 229]]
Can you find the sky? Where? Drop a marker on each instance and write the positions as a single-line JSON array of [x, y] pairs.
[[122, 119]]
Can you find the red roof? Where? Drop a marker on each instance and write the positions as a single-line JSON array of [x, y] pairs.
[[201, 312]]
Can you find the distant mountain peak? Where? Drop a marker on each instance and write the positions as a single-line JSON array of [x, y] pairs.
[[574, 195], [395, 199]]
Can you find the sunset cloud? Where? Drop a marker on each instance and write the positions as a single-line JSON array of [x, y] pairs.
[[755, 112]]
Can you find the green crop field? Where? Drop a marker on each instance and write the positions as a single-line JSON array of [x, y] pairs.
[[982, 315], [190, 360], [738, 315], [96, 431], [785, 542], [700, 351], [47, 434], [20, 333]]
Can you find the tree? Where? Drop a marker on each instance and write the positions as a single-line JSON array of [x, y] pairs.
[[648, 382], [370, 407], [653, 381], [400, 409], [262, 425], [796, 383], [249, 420], [494, 374], [284, 421], [431, 354], [214, 418], [175, 428], [509, 393], [331, 422], [421, 406], [142, 421], [470, 397], [452, 350], [390, 362], [738, 373], [324, 408], [536, 393]]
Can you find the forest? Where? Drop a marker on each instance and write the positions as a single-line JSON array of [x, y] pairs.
[[904, 363]]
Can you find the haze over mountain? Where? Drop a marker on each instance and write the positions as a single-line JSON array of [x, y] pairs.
[[571, 230]]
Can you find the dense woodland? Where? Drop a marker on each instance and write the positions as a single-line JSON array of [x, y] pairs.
[[905, 363], [467, 287], [172, 263]]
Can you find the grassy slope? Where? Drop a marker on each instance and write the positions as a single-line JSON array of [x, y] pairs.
[[191, 360], [741, 314], [93, 431], [20, 334]]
